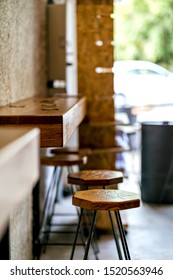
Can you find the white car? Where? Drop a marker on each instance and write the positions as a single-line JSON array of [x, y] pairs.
[[141, 87]]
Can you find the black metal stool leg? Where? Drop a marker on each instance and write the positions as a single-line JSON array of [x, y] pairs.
[[115, 237], [115, 234], [90, 235], [70, 170], [48, 210], [94, 242], [122, 236], [77, 232], [54, 197], [58, 183], [78, 210]]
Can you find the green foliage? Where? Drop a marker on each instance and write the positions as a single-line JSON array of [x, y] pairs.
[[144, 30]]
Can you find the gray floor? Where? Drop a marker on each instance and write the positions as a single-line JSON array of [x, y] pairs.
[[149, 232]]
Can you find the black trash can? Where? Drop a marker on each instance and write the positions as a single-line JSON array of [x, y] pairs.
[[156, 157]]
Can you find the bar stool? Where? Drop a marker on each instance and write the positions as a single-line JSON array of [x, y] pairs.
[[98, 179], [71, 151], [62, 160], [108, 200]]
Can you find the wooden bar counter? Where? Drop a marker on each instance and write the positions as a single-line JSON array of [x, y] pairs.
[[56, 117], [19, 168]]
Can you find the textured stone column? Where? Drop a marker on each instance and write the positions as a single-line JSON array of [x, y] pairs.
[[95, 80], [95, 54]]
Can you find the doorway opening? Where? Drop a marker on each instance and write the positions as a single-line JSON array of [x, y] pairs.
[[143, 55]]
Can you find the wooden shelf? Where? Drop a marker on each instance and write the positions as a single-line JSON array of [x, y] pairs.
[[19, 168], [56, 117]]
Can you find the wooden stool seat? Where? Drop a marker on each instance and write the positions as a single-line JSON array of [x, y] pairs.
[[95, 177], [102, 199], [71, 150], [63, 160]]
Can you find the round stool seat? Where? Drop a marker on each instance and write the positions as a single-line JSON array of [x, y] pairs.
[[71, 150], [63, 160], [114, 200], [95, 177]]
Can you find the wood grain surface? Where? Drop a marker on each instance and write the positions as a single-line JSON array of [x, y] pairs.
[[115, 200], [56, 117], [63, 160], [95, 177]]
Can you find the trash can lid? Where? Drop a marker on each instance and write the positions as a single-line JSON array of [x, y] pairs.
[[164, 123]]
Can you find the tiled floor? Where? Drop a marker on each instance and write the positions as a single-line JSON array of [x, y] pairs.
[[149, 232]]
